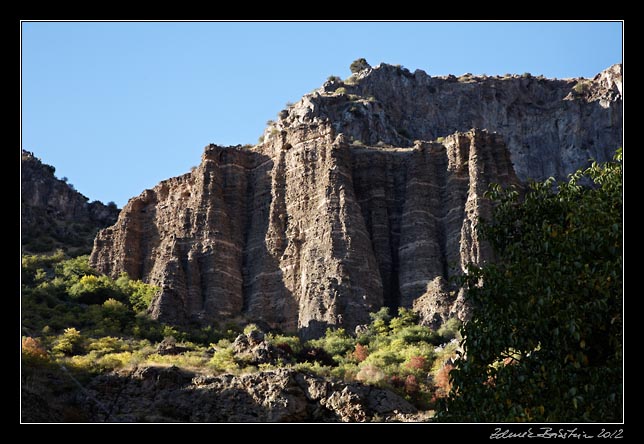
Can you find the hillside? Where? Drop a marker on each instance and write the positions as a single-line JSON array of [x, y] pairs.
[[54, 215]]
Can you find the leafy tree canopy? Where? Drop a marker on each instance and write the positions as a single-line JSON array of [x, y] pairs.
[[545, 339]]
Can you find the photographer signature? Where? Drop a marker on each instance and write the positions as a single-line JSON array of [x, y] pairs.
[[549, 433]]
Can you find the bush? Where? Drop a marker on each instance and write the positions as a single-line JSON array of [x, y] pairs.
[[91, 289], [450, 330], [442, 381], [315, 355], [224, 361], [70, 343], [370, 374], [358, 65], [140, 294], [32, 351], [581, 88], [283, 341], [360, 352], [341, 90], [411, 385], [417, 363], [334, 79], [335, 342]]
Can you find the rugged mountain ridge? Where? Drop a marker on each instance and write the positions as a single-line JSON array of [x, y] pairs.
[[349, 203], [55, 215]]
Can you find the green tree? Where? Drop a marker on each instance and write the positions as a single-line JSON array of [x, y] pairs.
[[545, 339], [358, 65], [70, 342]]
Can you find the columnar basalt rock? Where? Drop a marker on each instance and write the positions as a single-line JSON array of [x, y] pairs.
[[355, 199]]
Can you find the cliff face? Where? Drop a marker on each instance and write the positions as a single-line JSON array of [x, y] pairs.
[[349, 203], [551, 127], [53, 214]]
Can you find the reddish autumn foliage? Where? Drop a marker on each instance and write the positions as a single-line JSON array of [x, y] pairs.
[[411, 385], [33, 350], [417, 363], [360, 353], [397, 381], [443, 384]]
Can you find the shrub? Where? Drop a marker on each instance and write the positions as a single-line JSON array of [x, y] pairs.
[[413, 334], [442, 381], [581, 88], [406, 318], [224, 361], [360, 352], [417, 363], [315, 355], [285, 342], [335, 342], [251, 328], [450, 330], [70, 343], [91, 289], [341, 90], [32, 351], [370, 374], [334, 79], [411, 385], [140, 294], [358, 65]]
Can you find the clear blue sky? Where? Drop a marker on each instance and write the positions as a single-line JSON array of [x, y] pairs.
[[118, 107]]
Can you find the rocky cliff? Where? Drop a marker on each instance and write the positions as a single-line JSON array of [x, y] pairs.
[[364, 193], [55, 215]]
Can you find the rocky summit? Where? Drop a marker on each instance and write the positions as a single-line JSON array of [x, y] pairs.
[[364, 193]]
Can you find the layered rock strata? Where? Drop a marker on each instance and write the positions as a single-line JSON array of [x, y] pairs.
[[363, 194]]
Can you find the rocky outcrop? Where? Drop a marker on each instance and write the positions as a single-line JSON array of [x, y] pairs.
[[157, 394], [551, 127], [54, 215], [363, 194]]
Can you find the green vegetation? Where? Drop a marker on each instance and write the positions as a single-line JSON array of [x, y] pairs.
[[358, 65], [334, 79], [341, 90], [581, 88], [545, 340], [91, 324]]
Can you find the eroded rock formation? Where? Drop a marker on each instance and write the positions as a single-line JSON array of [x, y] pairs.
[[356, 198], [153, 394]]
